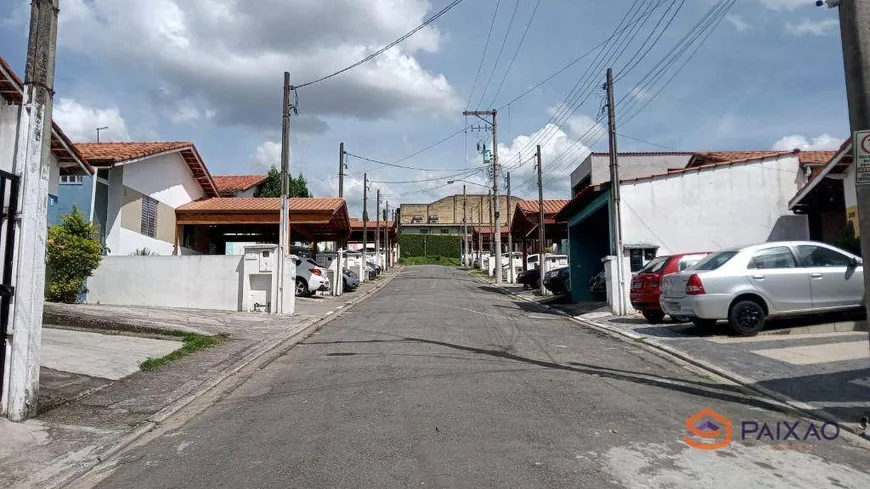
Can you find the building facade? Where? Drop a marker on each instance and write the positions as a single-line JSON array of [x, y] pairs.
[[444, 216]]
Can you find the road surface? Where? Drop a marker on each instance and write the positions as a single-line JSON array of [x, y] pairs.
[[438, 380]]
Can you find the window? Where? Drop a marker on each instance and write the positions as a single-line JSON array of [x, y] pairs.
[[715, 260], [817, 256], [103, 174], [433, 219], [149, 216], [71, 179], [689, 261], [655, 266], [779, 257], [416, 219], [637, 257], [445, 231]]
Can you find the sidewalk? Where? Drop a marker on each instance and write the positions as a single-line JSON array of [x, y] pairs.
[[89, 415]]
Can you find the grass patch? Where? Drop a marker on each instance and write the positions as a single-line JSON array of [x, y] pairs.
[[192, 342], [642, 339], [430, 260]]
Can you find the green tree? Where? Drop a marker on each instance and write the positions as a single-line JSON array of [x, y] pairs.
[[272, 186], [73, 253]]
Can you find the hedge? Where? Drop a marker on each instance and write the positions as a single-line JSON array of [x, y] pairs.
[[446, 245]]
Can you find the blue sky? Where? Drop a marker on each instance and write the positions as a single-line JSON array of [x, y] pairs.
[[210, 71]]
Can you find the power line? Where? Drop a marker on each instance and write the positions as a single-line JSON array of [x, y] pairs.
[[514, 58], [646, 142], [500, 50], [462, 174], [385, 48], [483, 56], [384, 163]]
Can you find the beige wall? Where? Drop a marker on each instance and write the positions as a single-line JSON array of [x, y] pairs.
[[131, 216], [449, 210]]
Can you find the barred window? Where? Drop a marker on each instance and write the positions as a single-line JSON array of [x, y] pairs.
[[149, 216]]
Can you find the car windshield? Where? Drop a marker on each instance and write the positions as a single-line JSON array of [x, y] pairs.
[[714, 261], [655, 266]]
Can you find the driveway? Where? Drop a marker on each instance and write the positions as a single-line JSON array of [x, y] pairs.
[[437, 381]]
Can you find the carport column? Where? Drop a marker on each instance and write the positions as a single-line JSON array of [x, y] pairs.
[[32, 166]]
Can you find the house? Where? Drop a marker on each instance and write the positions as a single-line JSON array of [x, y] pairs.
[[829, 199], [138, 187], [65, 162], [718, 200], [524, 226], [239, 185], [444, 216]]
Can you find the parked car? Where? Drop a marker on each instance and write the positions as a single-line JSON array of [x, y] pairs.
[[377, 268], [531, 279], [745, 286], [598, 285], [351, 280], [558, 281], [646, 284], [309, 276]]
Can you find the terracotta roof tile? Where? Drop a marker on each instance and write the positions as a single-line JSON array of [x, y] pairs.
[[229, 184], [805, 157], [243, 204], [118, 152], [551, 207], [358, 224], [485, 230]]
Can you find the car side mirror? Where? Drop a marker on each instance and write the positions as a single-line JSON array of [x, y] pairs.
[[856, 262]]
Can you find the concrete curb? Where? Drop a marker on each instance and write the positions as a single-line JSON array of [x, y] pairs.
[[280, 344], [656, 347]]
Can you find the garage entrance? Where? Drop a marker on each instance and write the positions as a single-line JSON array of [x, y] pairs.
[[589, 237]]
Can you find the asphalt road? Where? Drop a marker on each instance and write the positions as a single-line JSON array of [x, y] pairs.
[[440, 381]]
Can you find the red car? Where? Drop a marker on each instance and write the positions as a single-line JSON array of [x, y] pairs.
[[645, 285]]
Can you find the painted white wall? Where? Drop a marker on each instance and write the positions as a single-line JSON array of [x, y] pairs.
[[247, 193], [200, 282], [850, 195], [8, 128], [116, 201], [165, 178], [709, 209], [631, 165]]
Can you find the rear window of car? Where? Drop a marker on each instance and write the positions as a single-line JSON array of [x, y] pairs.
[[688, 261], [714, 261], [655, 266]]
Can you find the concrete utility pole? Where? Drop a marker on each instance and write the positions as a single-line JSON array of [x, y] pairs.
[[480, 232], [33, 147], [341, 170], [619, 301], [464, 227], [510, 236], [497, 226], [542, 257], [284, 221], [492, 229], [365, 219], [387, 235], [378, 228]]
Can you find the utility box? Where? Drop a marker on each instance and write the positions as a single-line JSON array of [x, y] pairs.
[[259, 284]]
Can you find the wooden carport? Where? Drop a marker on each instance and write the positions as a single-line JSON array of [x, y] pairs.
[[525, 220]]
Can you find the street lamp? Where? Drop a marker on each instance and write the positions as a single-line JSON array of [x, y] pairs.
[[468, 182]]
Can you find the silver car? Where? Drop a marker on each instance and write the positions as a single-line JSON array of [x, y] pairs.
[[747, 285]]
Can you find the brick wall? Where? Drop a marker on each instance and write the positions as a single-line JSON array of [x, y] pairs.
[[449, 210]]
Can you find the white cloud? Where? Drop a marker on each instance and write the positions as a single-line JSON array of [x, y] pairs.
[[185, 113], [267, 155], [796, 141], [231, 55], [787, 4], [80, 122], [809, 27], [738, 23]]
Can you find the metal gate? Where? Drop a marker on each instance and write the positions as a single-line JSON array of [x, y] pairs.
[[8, 210]]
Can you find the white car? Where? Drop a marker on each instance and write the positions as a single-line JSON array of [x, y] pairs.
[[310, 277], [747, 285]]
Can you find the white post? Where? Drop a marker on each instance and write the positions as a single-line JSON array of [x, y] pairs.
[[32, 164]]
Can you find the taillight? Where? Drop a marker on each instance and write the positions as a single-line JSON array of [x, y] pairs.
[[316, 271], [654, 281], [694, 286], [636, 283]]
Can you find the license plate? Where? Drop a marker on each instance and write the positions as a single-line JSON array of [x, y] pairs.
[[675, 306]]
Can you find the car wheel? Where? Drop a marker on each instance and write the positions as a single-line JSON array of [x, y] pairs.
[[654, 317], [704, 323], [681, 319], [301, 287], [746, 318]]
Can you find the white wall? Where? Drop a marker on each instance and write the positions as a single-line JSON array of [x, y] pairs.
[[130, 241], [8, 129], [116, 201], [247, 193], [709, 209], [165, 178], [200, 282], [631, 165]]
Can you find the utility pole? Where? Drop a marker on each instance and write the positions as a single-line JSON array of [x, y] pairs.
[[619, 300], [542, 257], [492, 230], [510, 236], [365, 219], [98, 132], [378, 229], [496, 209], [464, 227], [480, 231], [33, 147], [284, 221], [341, 170], [387, 235]]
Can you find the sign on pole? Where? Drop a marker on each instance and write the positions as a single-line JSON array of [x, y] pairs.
[[861, 143]]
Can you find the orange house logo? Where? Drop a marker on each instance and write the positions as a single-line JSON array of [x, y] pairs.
[[709, 430]]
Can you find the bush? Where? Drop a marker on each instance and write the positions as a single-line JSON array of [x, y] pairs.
[[431, 245], [430, 260], [72, 255]]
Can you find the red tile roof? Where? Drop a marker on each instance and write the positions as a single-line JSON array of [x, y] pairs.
[[247, 204], [698, 167], [12, 89], [551, 207], [485, 230], [230, 184], [358, 224], [805, 157]]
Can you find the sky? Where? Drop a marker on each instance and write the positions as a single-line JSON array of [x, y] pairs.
[[770, 75]]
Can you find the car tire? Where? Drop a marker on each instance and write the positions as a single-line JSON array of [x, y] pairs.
[[704, 323], [653, 317], [301, 287], [746, 318]]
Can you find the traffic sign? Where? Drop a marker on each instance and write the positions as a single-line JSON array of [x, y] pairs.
[[861, 143]]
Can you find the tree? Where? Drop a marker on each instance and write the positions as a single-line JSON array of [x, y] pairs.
[[272, 186], [73, 253]]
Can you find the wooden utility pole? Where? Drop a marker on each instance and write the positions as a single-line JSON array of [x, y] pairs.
[[341, 170], [542, 256], [619, 303], [511, 270], [495, 174], [365, 220], [31, 165], [378, 228]]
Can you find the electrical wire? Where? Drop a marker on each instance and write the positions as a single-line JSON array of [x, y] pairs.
[[384, 163], [483, 56], [385, 48], [454, 176], [500, 51], [514, 58]]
